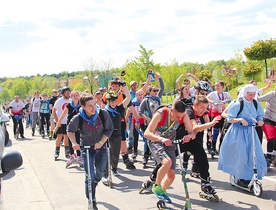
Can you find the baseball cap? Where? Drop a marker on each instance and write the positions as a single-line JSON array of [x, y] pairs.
[[133, 83]]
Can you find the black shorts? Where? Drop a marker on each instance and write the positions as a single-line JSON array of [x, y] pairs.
[[62, 129]]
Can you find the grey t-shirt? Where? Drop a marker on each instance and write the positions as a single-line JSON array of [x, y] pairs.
[[91, 134], [270, 105]]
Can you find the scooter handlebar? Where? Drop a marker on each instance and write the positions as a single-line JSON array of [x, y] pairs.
[[87, 146], [177, 141]]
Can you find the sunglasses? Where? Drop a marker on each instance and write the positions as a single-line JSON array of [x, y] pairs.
[[204, 94], [155, 91]]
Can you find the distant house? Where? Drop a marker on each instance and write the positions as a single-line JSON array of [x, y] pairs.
[[272, 75], [229, 70]]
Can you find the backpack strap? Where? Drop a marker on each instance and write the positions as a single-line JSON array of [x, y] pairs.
[[255, 104], [80, 124], [242, 105], [101, 116], [164, 116]]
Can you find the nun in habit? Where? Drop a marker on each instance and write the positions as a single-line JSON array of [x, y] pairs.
[[236, 153]]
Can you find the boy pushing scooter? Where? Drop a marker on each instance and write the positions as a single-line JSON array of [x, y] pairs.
[[95, 128]]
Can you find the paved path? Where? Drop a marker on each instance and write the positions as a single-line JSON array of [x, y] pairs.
[[42, 183]]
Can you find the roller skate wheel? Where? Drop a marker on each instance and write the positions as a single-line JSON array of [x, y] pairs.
[[141, 190], [201, 195], [216, 198], [161, 204], [211, 197]]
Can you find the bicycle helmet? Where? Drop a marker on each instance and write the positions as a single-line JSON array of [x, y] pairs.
[[202, 85], [115, 80], [64, 89], [111, 95]]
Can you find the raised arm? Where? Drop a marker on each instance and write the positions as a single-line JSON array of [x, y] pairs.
[[269, 83], [148, 83], [160, 84], [192, 76], [125, 90], [177, 82]]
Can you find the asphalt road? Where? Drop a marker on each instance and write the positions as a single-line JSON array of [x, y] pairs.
[[42, 183]]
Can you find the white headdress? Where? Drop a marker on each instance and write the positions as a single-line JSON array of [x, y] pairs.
[[247, 88]]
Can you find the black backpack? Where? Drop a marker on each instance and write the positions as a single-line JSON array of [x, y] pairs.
[[81, 120], [226, 124]]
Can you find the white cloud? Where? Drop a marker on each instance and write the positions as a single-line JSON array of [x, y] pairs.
[[53, 36]]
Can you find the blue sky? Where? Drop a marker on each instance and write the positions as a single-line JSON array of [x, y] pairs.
[[38, 37]]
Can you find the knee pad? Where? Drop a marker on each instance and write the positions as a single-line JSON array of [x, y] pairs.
[[215, 134]]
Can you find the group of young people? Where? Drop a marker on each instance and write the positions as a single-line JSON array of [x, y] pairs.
[[101, 117]]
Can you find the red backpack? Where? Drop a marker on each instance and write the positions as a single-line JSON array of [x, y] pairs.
[[165, 112]]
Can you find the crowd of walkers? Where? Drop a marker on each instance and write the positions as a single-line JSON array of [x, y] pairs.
[[117, 117]]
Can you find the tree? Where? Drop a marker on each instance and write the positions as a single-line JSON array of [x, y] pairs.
[[144, 62], [137, 69], [105, 73], [204, 74], [252, 69], [4, 96], [90, 77], [170, 73], [261, 50]]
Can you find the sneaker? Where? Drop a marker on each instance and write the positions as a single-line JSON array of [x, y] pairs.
[[115, 172], [105, 181], [166, 197], [157, 190]]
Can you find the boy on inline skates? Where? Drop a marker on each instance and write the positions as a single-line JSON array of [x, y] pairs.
[[160, 143]]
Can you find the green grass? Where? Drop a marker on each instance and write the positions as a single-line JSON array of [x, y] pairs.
[[233, 92]]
